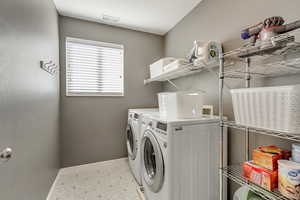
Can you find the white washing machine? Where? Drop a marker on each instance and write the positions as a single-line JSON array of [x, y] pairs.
[[133, 135], [180, 158]]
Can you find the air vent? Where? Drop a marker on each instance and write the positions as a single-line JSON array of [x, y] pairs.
[[110, 19]]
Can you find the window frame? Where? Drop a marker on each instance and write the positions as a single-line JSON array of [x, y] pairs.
[[97, 43]]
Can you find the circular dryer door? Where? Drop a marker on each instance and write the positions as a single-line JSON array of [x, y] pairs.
[[153, 163], [131, 142]]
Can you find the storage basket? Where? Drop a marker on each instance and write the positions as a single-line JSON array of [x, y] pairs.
[[157, 68], [180, 105], [274, 108], [175, 65]]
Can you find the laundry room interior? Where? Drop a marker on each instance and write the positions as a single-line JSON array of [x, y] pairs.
[[149, 100]]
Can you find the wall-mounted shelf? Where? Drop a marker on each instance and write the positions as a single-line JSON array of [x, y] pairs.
[[284, 60], [184, 70], [234, 173]]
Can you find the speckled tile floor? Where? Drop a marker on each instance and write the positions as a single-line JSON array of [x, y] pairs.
[[109, 180]]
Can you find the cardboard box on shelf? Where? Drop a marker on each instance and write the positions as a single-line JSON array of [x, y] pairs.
[[261, 176], [267, 156]]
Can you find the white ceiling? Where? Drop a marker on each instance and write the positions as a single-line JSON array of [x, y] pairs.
[[156, 16]]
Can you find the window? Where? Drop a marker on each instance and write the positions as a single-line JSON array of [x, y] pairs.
[[94, 68]]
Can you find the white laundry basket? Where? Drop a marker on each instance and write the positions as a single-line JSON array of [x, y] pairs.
[[274, 108]]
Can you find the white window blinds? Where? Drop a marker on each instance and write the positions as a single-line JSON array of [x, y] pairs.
[[94, 68]]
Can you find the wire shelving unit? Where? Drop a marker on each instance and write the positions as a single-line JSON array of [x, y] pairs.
[[235, 173], [280, 58]]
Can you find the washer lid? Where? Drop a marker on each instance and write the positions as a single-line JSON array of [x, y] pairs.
[[152, 162], [131, 142]]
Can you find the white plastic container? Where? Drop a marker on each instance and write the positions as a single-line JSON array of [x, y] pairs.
[[157, 68], [289, 179], [274, 108], [175, 65], [208, 51], [177, 105], [296, 152]]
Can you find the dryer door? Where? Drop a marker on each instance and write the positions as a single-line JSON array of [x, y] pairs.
[[152, 162], [131, 142]]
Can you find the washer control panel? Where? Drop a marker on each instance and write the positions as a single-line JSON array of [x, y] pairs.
[[161, 126], [158, 127], [130, 115], [136, 116]]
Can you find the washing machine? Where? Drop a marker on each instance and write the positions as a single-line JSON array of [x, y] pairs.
[[180, 158], [133, 135]]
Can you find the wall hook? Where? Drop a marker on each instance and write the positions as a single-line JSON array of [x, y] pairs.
[[49, 66]]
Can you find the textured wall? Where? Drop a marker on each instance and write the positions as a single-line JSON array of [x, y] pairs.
[[222, 21], [93, 128], [29, 98]]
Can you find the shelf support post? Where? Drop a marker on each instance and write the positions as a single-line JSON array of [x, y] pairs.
[[221, 107], [247, 84]]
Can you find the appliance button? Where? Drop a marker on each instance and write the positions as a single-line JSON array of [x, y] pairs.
[[165, 144]]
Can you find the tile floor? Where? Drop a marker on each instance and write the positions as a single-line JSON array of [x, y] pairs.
[[109, 180]]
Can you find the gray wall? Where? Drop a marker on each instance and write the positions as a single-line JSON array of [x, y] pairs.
[[222, 21], [29, 98], [93, 128]]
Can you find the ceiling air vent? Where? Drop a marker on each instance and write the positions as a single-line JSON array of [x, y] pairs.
[[110, 19]]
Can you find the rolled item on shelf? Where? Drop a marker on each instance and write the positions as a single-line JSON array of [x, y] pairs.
[[272, 108]]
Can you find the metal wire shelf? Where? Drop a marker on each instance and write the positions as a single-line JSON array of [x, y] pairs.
[[279, 45], [283, 59], [279, 134], [234, 173], [264, 70]]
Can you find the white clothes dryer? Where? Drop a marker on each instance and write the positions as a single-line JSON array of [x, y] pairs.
[[180, 158]]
